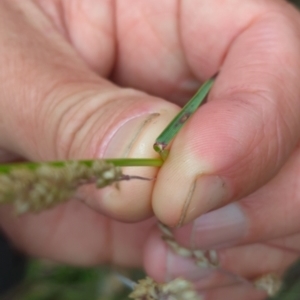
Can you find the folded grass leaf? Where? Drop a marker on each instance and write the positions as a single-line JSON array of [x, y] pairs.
[[177, 123]]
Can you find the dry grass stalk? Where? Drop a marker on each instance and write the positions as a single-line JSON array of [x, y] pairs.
[[203, 259], [270, 283], [178, 289]]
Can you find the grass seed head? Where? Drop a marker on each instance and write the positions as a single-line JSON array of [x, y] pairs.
[[35, 189], [178, 289]]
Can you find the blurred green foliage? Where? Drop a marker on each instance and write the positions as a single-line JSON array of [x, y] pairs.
[[49, 281], [291, 284]]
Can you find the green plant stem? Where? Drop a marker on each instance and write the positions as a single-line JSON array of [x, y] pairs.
[[136, 162], [119, 162]]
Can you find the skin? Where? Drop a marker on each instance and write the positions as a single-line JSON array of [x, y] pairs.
[[98, 78]]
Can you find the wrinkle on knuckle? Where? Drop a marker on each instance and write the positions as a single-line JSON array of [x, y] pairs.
[[74, 119], [80, 119], [282, 135], [55, 118], [273, 117], [262, 145]]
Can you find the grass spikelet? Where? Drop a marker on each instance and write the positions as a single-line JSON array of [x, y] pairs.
[[177, 289], [35, 189]]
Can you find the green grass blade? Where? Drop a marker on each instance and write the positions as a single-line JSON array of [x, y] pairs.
[[177, 123]]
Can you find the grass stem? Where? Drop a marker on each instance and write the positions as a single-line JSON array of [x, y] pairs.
[[118, 162]]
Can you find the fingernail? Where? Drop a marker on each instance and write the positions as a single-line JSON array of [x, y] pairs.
[[220, 228], [207, 192], [133, 139], [127, 136]]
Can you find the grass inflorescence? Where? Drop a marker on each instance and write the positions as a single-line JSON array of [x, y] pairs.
[[37, 186]]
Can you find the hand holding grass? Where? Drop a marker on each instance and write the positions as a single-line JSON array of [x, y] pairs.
[[62, 66]]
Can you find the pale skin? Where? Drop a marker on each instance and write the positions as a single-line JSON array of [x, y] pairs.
[[64, 69]]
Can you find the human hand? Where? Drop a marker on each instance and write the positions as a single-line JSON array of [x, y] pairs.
[[58, 101], [242, 145], [244, 135]]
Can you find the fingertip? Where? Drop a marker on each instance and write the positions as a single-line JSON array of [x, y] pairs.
[[130, 200], [176, 186]]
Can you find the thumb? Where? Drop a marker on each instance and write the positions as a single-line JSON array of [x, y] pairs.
[[53, 107]]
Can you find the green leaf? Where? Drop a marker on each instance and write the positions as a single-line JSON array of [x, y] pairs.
[[177, 123]]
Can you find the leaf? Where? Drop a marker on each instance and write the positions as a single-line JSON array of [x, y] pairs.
[[180, 119]]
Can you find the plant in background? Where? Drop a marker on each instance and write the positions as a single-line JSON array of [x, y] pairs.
[[32, 187]]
